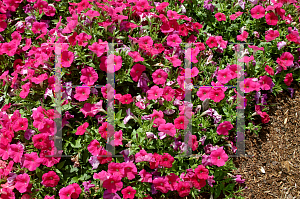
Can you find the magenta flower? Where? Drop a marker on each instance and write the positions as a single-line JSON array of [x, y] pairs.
[[218, 157], [258, 12], [159, 76], [136, 56], [94, 147], [173, 40], [113, 183], [20, 125], [203, 93], [288, 79], [82, 93], [82, 128], [128, 192], [243, 36], [50, 179], [87, 185], [224, 127], [142, 155], [22, 182], [181, 122], [99, 48], [88, 76], [67, 58], [224, 76], [220, 16], [137, 71], [32, 161], [271, 35], [183, 189], [130, 170], [154, 93], [166, 160], [212, 42], [117, 139], [25, 90], [168, 93], [265, 82], [161, 184], [271, 19], [285, 60], [16, 152], [168, 128], [216, 94], [145, 176]]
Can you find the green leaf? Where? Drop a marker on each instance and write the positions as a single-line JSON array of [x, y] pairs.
[[61, 164]]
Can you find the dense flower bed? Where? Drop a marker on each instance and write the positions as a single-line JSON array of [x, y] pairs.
[[151, 110]]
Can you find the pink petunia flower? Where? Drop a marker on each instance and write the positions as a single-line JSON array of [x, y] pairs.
[[25, 90], [216, 94], [166, 160], [183, 188], [168, 128], [145, 176], [224, 127], [117, 139], [173, 40], [271, 35], [22, 182], [243, 36], [193, 143], [181, 122], [32, 161], [220, 16], [161, 184], [174, 60], [82, 37], [154, 93], [130, 170], [142, 156], [94, 147], [82, 128], [159, 76], [203, 92], [271, 19], [20, 125], [258, 12], [136, 56], [248, 85], [128, 192], [265, 82], [288, 79], [285, 60], [88, 76], [201, 172], [137, 71], [218, 157], [113, 183], [50, 179], [99, 48], [168, 93], [111, 64], [269, 70], [224, 76], [67, 58], [15, 152], [212, 42], [82, 93]]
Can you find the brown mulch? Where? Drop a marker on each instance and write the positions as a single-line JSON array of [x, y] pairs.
[[274, 169]]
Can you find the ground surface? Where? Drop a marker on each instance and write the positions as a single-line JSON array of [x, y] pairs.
[[276, 150], [274, 169]]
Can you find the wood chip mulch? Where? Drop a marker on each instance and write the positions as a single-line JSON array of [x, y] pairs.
[[274, 169]]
